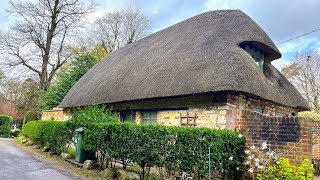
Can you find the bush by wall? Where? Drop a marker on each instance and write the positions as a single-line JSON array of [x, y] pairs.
[[176, 148], [54, 134], [5, 125], [311, 115], [90, 114]]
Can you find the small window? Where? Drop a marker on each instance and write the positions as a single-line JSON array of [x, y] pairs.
[[257, 110], [281, 115], [257, 55], [149, 117], [128, 117]]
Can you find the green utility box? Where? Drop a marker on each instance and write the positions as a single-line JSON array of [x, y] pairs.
[[81, 154]]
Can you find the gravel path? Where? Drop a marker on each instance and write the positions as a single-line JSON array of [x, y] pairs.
[[15, 164]]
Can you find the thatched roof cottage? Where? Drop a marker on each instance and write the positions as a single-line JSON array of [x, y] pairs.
[[198, 72]]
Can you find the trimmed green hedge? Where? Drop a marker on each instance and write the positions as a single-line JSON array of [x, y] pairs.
[[5, 125], [176, 148], [54, 134]]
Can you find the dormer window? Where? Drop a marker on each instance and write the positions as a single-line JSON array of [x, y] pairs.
[[256, 54]]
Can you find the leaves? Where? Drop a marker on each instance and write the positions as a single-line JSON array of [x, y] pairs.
[[66, 79], [54, 134], [176, 148], [5, 125]]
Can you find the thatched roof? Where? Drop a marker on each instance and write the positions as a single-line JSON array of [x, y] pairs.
[[197, 55]]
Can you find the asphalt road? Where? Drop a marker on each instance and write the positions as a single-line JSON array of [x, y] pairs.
[[16, 164]]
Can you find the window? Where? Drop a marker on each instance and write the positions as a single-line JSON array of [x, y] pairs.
[[257, 55], [280, 115], [257, 110], [128, 116], [149, 117]]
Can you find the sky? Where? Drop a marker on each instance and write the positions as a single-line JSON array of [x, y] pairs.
[[281, 20]]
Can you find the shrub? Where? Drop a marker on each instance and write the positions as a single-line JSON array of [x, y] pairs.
[[308, 114], [31, 115], [176, 148], [55, 134], [285, 170], [5, 125], [33, 130], [90, 114]]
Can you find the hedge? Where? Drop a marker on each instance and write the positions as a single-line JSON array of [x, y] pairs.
[[54, 134], [5, 125], [176, 148]]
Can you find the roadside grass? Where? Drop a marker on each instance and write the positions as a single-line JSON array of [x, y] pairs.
[[19, 139]]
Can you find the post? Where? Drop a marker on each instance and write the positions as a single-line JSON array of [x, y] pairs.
[[209, 165]]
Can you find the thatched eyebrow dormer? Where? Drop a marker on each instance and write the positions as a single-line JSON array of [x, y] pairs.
[[196, 56]]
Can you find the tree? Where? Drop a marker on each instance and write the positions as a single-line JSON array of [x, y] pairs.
[[23, 94], [39, 37], [2, 76], [66, 79], [119, 28], [304, 73]]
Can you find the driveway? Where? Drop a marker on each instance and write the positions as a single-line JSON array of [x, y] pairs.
[[15, 164]]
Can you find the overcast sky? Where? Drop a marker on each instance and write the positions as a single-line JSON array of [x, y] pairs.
[[281, 20]]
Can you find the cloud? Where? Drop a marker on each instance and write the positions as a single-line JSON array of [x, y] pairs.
[[222, 4]]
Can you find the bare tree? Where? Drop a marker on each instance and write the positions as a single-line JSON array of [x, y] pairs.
[[39, 36], [108, 29], [304, 73], [24, 94], [136, 25], [119, 28]]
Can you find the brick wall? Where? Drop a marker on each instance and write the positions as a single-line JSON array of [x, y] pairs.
[[316, 141], [290, 135], [268, 108]]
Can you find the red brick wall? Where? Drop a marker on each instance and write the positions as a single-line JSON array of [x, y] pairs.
[[290, 135], [316, 141]]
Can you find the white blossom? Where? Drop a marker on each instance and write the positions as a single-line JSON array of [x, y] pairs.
[[264, 145], [251, 157], [250, 170], [252, 147], [260, 167], [238, 168], [256, 164], [240, 135], [247, 163], [247, 151], [230, 158]]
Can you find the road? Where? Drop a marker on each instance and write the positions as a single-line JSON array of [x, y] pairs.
[[16, 164]]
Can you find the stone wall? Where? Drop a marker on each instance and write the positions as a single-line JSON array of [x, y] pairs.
[[218, 110], [55, 114], [290, 135]]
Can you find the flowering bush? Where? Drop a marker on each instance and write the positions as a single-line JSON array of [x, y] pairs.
[[260, 158], [268, 164]]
